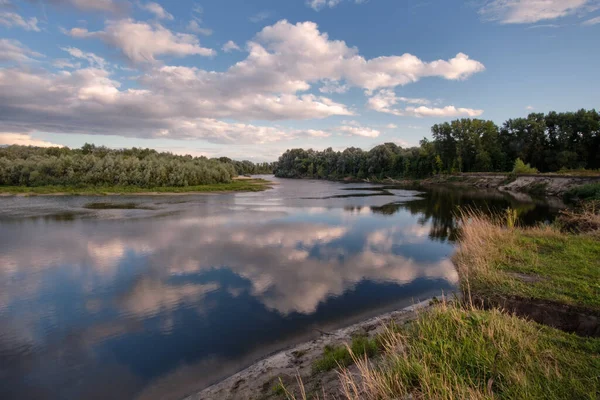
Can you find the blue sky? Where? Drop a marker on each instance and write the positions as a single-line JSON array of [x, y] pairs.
[[249, 79]]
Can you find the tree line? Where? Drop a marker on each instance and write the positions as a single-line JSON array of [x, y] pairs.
[[91, 165], [547, 142]]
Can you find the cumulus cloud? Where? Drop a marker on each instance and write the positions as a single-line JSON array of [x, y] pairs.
[[311, 55], [157, 10], [385, 101], [231, 46], [15, 51], [271, 83], [11, 19], [142, 42], [530, 11]]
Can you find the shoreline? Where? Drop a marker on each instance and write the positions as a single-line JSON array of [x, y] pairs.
[[262, 376], [542, 185], [236, 186]]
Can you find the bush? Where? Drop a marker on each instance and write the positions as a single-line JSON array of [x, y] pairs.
[[522, 168], [586, 192]]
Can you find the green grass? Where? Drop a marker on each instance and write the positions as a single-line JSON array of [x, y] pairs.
[[242, 185], [568, 267], [455, 353], [585, 192], [339, 356], [537, 263]]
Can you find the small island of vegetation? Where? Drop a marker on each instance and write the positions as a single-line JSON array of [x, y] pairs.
[[99, 170]]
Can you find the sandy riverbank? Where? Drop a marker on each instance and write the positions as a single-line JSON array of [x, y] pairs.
[[259, 380]]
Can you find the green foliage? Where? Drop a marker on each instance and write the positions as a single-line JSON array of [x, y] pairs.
[[339, 356], [541, 142], [512, 216], [99, 166], [585, 192], [521, 168], [246, 185], [453, 353]]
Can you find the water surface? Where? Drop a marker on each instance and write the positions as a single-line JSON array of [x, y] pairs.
[[159, 296]]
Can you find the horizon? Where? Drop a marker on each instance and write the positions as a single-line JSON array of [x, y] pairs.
[[249, 81]]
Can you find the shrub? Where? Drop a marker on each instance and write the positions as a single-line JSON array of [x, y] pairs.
[[522, 168]]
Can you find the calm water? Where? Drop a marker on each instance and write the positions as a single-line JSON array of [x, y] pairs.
[[163, 299]]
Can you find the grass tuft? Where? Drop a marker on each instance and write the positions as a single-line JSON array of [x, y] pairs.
[[341, 356]]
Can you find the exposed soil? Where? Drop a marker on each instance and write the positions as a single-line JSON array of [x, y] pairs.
[[540, 184], [579, 320]]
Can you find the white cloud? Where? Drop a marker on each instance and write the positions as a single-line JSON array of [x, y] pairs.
[[110, 6], [356, 129], [142, 42], [531, 11], [93, 59], [11, 19], [529, 108], [385, 100], [89, 101], [13, 50], [231, 46], [62, 63], [592, 21], [284, 61], [331, 86], [448, 111], [157, 10], [319, 4], [194, 26], [391, 126], [23, 140], [312, 56], [261, 16]]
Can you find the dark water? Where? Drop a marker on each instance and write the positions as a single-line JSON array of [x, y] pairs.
[[160, 296]]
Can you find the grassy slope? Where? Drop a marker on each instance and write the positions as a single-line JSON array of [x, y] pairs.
[[242, 185], [538, 263], [456, 353]]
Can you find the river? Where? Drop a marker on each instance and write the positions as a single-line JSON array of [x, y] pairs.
[[164, 295]]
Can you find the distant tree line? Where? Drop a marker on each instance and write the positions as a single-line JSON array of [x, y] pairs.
[[548, 143], [248, 167], [91, 165]]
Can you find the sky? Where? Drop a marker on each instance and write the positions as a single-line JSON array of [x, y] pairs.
[[249, 79]]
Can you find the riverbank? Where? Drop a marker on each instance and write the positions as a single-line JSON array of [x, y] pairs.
[[262, 379], [555, 185], [237, 185], [480, 347]]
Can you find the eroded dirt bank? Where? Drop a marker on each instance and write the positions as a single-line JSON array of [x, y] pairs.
[[542, 184], [260, 380]]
